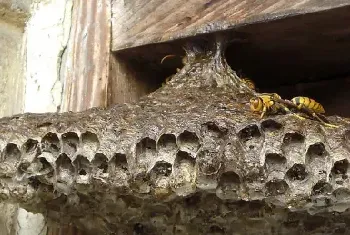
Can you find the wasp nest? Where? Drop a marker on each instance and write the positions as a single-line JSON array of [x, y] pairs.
[[189, 158]]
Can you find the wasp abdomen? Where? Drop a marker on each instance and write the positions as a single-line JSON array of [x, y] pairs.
[[309, 103]]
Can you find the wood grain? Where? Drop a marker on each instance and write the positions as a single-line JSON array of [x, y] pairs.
[[86, 68], [139, 22]]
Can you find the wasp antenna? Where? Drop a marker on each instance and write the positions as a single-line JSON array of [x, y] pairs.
[[167, 56]]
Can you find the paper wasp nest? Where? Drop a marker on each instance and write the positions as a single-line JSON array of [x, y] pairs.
[[188, 159]]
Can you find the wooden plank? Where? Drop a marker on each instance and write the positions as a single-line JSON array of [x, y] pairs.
[[139, 22], [129, 80], [87, 56]]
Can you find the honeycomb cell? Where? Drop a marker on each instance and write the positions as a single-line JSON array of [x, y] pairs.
[[251, 138], [30, 147], [146, 146], [100, 162], [9, 160], [209, 162], [271, 125], [89, 144], [316, 153], [212, 130], [339, 171], [249, 132], [276, 187], [145, 155], [229, 186], [11, 153], [159, 176], [82, 165], [321, 187], [184, 174], [162, 168], [70, 142], [297, 172], [50, 143], [65, 169], [273, 159], [167, 143], [293, 146], [118, 170], [188, 142], [119, 161], [293, 138]]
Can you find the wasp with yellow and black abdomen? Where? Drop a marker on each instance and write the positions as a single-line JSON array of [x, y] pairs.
[[308, 103], [312, 108], [249, 83], [267, 103]]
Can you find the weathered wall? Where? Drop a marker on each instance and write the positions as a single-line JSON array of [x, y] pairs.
[[33, 37]]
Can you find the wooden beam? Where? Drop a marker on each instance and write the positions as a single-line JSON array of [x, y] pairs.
[[140, 22], [85, 70]]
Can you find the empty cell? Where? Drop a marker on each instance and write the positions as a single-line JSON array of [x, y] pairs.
[[297, 172], [100, 162], [321, 187], [276, 187], [90, 141], [50, 143], [167, 142], [189, 142], [70, 142], [271, 125], [209, 162]]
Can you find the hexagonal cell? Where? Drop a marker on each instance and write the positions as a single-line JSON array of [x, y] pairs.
[[162, 168], [297, 172], [271, 125], [321, 187], [209, 162], [146, 146], [82, 165], [11, 152], [212, 130], [316, 153], [119, 161], [339, 171], [293, 146], [10, 158], [30, 147], [50, 143], [251, 137], [70, 141], [183, 177], [167, 143], [159, 176], [276, 187], [249, 132], [100, 163], [89, 144], [65, 169], [188, 142], [118, 170], [229, 185], [274, 160]]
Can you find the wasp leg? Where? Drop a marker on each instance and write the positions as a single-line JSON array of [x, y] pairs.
[[323, 122], [263, 112], [287, 110]]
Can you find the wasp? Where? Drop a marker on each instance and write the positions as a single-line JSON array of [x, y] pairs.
[[267, 102], [306, 102], [273, 103], [249, 83], [312, 108]]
